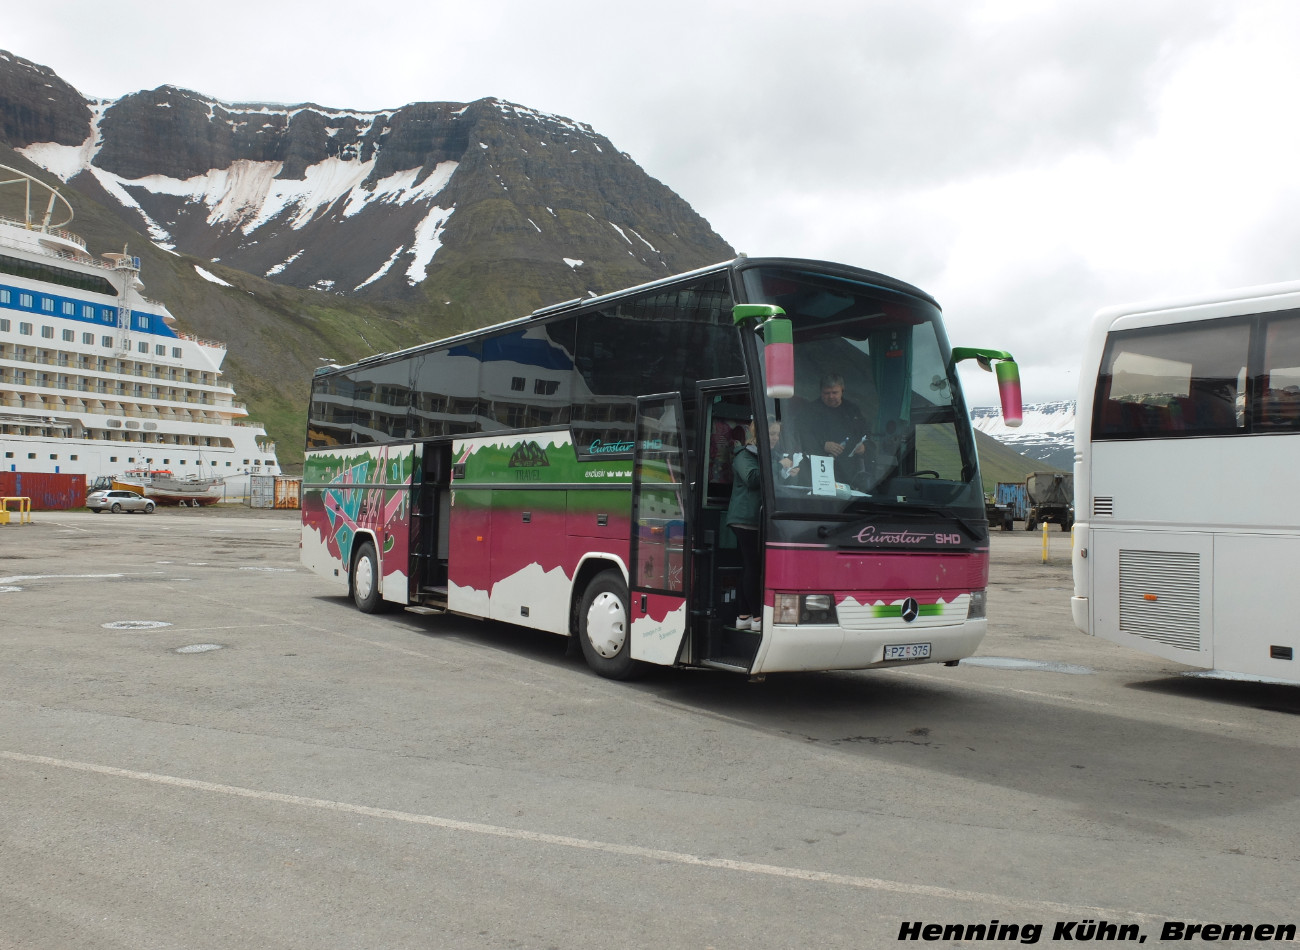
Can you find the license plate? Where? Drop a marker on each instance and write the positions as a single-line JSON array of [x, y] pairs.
[[907, 651]]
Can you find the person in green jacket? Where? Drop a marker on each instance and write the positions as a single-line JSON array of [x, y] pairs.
[[742, 518]]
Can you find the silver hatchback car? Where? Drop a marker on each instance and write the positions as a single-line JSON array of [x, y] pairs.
[[118, 500]]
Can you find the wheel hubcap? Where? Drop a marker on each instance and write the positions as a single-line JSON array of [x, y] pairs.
[[365, 579], [607, 625]]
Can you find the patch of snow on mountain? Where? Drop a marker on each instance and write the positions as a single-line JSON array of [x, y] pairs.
[[644, 241], [248, 194], [211, 277], [63, 161], [383, 269], [322, 184], [1047, 433], [235, 195], [68, 161], [114, 186], [400, 188], [428, 238], [279, 268]]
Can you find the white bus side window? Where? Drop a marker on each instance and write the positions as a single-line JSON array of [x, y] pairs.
[[1172, 381], [1279, 382]]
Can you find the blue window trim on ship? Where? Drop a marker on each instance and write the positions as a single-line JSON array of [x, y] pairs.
[[105, 316]]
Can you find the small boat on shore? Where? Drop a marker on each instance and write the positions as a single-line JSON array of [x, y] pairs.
[[166, 489]]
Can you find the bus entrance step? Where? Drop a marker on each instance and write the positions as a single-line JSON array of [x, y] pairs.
[[426, 611], [733, 664]]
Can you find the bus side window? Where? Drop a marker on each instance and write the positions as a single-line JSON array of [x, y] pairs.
[[1279, 384], [1213, 408], [1123, 417], [1281, 406]]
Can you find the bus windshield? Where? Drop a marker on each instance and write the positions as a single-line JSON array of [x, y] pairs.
[[877, 419]]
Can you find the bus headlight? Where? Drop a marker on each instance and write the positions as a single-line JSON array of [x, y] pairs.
[[804, 608], [978, 605]]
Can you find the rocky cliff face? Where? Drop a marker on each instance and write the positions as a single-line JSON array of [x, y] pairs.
[[341, 233], [38, 106], [481, 211]]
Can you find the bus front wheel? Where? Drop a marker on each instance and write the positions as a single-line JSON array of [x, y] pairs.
[[604, 625], [365, 580]]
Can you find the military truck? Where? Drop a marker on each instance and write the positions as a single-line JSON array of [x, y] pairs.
[[1051, 500], [998, 514]]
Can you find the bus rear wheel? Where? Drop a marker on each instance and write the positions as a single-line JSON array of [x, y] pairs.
[[604, 626], [365, 580]]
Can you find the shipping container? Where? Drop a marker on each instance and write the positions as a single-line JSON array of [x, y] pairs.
[[48, 491], [261, 491], [273, 491], [1014, 496], [287, 491]]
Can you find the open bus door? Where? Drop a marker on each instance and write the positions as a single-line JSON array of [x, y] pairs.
[[724, 410], [430, 526], [659, 571]]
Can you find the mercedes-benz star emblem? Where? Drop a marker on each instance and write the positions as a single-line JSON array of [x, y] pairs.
[[910, 610]]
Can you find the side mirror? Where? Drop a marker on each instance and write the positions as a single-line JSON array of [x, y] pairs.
[[778, 349], [1008, 374]]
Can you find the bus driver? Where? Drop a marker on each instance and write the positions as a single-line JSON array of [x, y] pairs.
[[834, 426]]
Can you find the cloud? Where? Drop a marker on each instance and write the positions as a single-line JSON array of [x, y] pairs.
[[1025, 161], [907, 95]]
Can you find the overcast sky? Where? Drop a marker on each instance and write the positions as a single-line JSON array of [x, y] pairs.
[[1025, 161]]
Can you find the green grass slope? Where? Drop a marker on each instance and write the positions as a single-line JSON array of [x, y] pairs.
[[999, 463]]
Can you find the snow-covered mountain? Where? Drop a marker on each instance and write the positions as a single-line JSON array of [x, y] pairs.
[[1047, 433], [305, 233], [415, 203]]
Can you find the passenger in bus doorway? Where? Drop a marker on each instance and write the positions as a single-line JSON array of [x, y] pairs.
[[742, 518], [787, 464]]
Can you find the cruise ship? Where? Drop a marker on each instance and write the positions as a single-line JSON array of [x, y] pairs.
[[94, 378]]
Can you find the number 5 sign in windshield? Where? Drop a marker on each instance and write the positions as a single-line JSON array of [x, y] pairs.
[[823, 475]]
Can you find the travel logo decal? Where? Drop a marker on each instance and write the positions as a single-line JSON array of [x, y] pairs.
[[529, 455]]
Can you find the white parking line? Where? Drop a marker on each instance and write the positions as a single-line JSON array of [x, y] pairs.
[[59, 577], [607, 847]]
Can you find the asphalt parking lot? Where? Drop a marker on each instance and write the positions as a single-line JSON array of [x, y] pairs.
[[202, 745]]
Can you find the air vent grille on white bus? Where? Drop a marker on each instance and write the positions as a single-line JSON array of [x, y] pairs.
[[1103, 507], [1160, 597]]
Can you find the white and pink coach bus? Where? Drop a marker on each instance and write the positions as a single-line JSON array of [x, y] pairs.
[[571, 471]]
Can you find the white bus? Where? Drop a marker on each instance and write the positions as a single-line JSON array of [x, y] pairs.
[[1187, 498]]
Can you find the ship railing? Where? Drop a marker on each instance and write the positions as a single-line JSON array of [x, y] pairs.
[[58, 232], [41, 404], [54, 252], [215, 344], [137, 370], [186, 397]]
